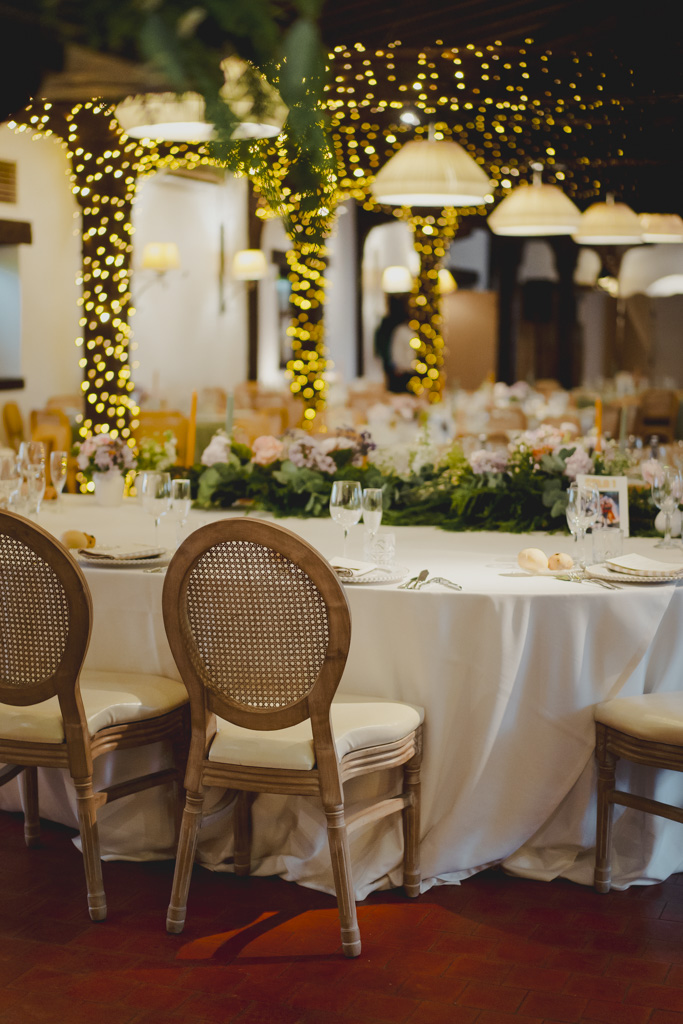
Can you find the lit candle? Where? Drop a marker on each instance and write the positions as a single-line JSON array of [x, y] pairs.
[[598, 424], [192, 430], [229, 410]]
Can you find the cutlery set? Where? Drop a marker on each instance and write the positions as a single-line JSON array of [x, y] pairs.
[[424, 580]]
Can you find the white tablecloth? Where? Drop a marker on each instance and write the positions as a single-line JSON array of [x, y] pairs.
[[507, 670]]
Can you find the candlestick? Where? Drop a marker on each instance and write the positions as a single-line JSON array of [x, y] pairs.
[[229, 411], [192, 430], [623, 420], [598, 424]]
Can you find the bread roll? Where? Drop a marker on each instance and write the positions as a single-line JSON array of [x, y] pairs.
[[560, 560], [77, 539], [532, 560]]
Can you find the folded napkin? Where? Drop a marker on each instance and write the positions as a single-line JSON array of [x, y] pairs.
[[119, 553], [639, 565], [351, 567]]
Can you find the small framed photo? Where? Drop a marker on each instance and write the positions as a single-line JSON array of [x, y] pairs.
[[613, 491]]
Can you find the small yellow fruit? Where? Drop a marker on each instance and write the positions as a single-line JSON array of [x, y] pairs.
[[560, 560], [532, 560], [77, 539]]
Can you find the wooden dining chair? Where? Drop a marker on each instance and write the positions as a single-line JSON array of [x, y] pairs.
[[55, 714], [259, 627], [657, 413], [155, 422], [52, 427], [13, 423], [647, 730]]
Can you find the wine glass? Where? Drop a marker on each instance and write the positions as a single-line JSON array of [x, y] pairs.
[[58, 464], [667, 489], [35, 479], [156, 496], [181, 502], [10, 478], [346, 505], [583, 510]]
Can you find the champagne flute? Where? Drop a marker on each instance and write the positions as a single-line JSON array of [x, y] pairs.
[[181, 503], [58, 465], [583, 510], [156, 497], [372, 517], [667, 488], [346, 505]]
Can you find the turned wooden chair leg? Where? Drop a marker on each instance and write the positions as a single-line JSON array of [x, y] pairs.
[[411, 826], [343, 881], [243, 832], [187, 845], [607, 762], [29, 799], [90, 841]]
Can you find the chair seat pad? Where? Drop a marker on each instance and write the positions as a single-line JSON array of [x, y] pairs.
[[649, 716], [357, 722], [109, 698]]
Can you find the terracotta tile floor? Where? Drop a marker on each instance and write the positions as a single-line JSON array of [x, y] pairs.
[[495, 950]]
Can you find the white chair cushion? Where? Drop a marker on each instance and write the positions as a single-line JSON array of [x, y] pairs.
[[109, 698], [357, 722], [650, 716]]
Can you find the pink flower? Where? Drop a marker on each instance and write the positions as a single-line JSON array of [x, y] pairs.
[[578, 462], [267, 449], [648, 470], [218, 450], [483, 461]]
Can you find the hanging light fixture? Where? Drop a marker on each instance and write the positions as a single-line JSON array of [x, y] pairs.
[[249, 265], [167, 117], [431, 172], [656, 271], [536, 209], [666, 228], [609, 223], [397, 280]]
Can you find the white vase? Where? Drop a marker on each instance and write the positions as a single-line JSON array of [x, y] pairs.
[[108, 488], [675, 523]]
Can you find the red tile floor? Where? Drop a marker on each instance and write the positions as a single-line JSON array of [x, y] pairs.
[[494, 950]]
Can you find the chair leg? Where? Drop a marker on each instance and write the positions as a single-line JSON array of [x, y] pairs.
[[338, 840], [90, 840], [411, 826], [243, 832], [607, 762], [187, 844], [29, 798]]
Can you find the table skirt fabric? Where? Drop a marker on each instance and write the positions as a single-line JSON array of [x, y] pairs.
[[508, 672]]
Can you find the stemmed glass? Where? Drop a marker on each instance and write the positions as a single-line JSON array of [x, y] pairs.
[[667, 490], [10, 478], [181, 503], [583, 510], [346, 505], [58, 464], [35, 479], [372, 515], [156, 496]]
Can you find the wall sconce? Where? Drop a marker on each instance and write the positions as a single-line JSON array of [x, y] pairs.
[[397, 280], [447, 283], [249, 265], [160, 256]]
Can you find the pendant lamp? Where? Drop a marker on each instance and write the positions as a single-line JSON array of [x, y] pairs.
[[167, 117], [536, 209], [655, 270], [431, 173], [609, 223], [666, 228]]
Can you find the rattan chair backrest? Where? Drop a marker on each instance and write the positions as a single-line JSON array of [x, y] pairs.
[[256, 619], [45, 614]]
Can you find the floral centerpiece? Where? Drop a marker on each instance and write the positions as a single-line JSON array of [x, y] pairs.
[[517, 489], [155, 454], [102, 453]]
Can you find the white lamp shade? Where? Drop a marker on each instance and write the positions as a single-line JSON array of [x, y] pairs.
[[609, 223], [447, 283], [166, 117], [656, 271], [536, 209], [160, 256], [431, 173], [666, 228], [588, 267], [249, 265], [397, 280]]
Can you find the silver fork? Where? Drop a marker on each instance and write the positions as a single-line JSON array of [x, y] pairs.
[[414, 582], [438, 579]]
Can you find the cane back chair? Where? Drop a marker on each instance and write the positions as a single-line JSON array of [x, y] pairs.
[[54, 714], [259, 626], [647, 730]]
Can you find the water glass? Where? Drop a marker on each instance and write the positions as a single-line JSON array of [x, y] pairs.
[[346, 505], [155, 488], [608, 542], [10, 479], [381, 549], [583, 510], [181, 503], [35, 480], [372, 508]]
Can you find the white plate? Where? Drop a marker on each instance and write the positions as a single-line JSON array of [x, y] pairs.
[[638, 565], [394, 575], [126, 563], [603, 572]]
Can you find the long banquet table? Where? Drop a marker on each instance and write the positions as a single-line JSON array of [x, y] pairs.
[[508, 671]]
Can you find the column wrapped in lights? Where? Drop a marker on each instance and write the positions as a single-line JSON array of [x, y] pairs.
[[307, 365]]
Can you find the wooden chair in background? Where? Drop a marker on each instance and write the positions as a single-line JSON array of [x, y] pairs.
[[657, 413], [53, 714], [53, 428], [13, 423], [155, 422], [261, 697], [647, 730], [248, 424]]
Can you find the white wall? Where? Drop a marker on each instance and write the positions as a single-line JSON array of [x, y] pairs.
[[184, 340], [47, 268]]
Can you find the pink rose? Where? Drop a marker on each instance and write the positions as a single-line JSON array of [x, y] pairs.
[[267, 449]]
